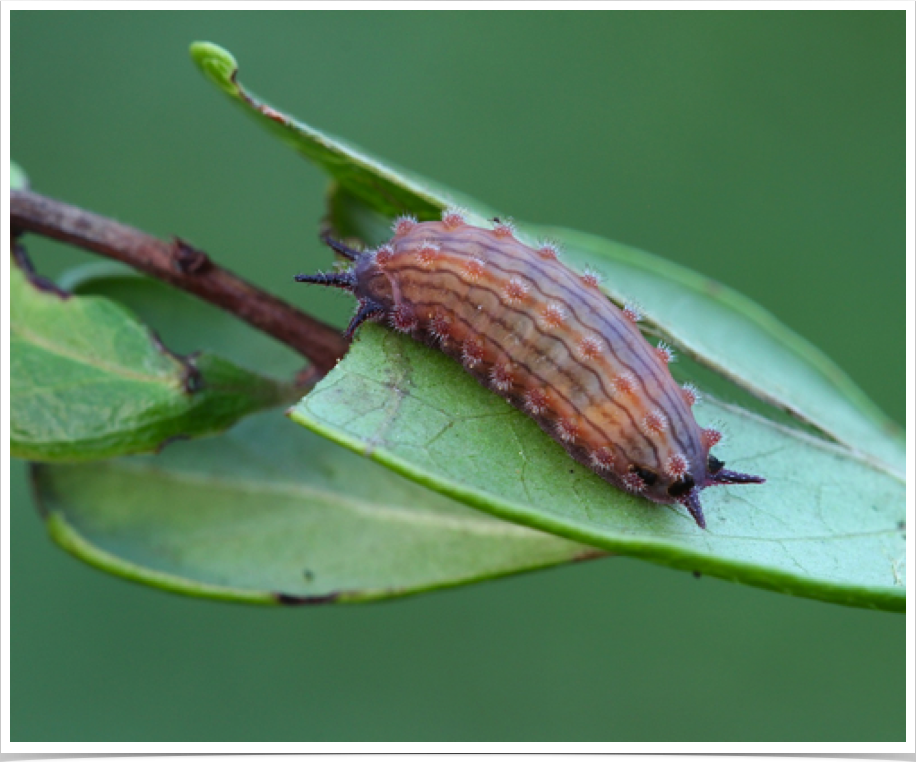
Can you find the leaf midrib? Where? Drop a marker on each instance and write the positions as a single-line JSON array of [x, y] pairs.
[[119, 370], [837, 448], [224, 482]]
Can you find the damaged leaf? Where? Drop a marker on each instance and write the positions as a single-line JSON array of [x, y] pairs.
[[89, 380], [269, 513]]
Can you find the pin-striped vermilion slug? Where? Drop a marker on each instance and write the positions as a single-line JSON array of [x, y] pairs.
[[548, 341]]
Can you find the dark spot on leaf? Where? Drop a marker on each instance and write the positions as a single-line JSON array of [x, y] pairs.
[[308, 574], [901, 525], [591, 554], [305, 600], [697, 574], [193, 380], [166, 442]]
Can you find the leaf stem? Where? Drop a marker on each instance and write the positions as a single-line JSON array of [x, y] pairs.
[[182, 266]]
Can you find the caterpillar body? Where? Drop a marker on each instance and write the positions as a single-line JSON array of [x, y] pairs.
[[547, 340]]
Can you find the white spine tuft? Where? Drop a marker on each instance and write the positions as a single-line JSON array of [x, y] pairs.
[[454, 217], [404, 224]]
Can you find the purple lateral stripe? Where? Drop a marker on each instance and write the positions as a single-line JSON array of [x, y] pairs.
[[637, 349], [673, 412], [558, 350], [544, 381], [560, 371]]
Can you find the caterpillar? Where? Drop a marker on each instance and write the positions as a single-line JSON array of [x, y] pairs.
[[548, 341]]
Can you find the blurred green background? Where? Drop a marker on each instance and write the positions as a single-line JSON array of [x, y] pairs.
[[763, 149]]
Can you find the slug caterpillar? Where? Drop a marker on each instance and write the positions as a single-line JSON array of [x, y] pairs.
[[547, 340]]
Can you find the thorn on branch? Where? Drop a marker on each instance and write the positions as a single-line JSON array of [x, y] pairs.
[[178, 264], [188, 259]]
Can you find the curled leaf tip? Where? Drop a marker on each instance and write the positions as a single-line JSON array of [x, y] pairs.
[[216, 63]]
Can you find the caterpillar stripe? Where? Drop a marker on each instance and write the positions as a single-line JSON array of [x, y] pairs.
[[547, 340]]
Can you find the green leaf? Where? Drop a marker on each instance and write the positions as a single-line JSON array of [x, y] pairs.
[[242, 516], [388, 189], [826, 525], [709, 322], [269, 513], [183, 322], [217, 64], [88, 380], [728, 333], [19, 180], [805, 532]]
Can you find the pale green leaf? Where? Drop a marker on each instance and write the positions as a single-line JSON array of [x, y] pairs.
[[391, 190], [88, 380], [827, 524], [706, 320], [19, 180], [183, 322], [270, 513]]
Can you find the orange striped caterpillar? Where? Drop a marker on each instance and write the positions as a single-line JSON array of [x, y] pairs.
[[548, 341]]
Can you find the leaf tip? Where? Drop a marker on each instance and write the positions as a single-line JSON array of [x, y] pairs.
[[218, 64]]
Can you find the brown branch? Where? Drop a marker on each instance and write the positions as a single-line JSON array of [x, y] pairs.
[[182, 266]]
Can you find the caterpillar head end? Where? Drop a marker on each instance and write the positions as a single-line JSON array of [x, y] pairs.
[[716, 474]]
